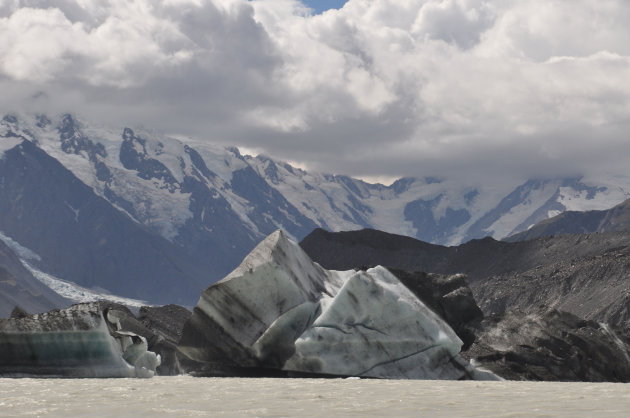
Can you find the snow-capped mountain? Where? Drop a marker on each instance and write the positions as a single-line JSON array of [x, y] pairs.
[[202, 207], [436, 210]]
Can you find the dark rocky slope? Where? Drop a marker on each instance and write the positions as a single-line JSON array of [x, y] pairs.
[[572, 222], [551, 346], [583, 274], [18, 287]]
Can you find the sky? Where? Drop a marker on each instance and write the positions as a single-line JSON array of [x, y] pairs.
[[320, 6], [376, 89]]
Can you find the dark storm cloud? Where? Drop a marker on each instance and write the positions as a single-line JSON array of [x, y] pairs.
[[379, 88]]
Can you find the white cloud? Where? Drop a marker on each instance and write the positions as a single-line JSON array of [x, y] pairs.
[[377, 88]]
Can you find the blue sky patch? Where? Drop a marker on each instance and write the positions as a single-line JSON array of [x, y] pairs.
[[322, 5]]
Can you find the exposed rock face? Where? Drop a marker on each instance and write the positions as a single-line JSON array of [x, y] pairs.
[[166, 324], [281, 313], [81, 341], [552, 346], [582, 274]]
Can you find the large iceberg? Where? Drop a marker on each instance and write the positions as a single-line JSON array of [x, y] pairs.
[[281, 313], [81, 341]]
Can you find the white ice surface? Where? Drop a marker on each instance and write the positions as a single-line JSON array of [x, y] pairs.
[[373, 325], [154, 205]]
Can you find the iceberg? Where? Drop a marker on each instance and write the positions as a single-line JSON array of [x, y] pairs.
[[279, 313], [80, 341]]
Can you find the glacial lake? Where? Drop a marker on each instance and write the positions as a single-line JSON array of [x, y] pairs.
[[187, 396]]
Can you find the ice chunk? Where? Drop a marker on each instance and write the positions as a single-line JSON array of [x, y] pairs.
[[73, 342], [280, 313]]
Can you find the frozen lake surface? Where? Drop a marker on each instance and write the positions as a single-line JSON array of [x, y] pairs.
[[188, 396]]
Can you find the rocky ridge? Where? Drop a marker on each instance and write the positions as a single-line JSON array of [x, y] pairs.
[[575, 222]]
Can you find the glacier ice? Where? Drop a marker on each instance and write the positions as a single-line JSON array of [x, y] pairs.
[[81, 341], [376, 327], [280, 311]]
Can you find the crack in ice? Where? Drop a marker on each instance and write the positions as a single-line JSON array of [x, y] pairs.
[[398, 359]]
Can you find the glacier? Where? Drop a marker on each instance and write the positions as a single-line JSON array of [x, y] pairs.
[[81, 341], [279, 312]]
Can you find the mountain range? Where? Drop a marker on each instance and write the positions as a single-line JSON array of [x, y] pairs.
[[149, 216]]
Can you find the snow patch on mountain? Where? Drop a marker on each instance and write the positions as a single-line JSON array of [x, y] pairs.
[[605, 191], [531, 199], [8, 143], [443, 198], [220, 160], [77, 293], [22, 252]]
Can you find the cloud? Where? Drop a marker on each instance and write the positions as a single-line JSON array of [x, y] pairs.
[[377, 88]]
